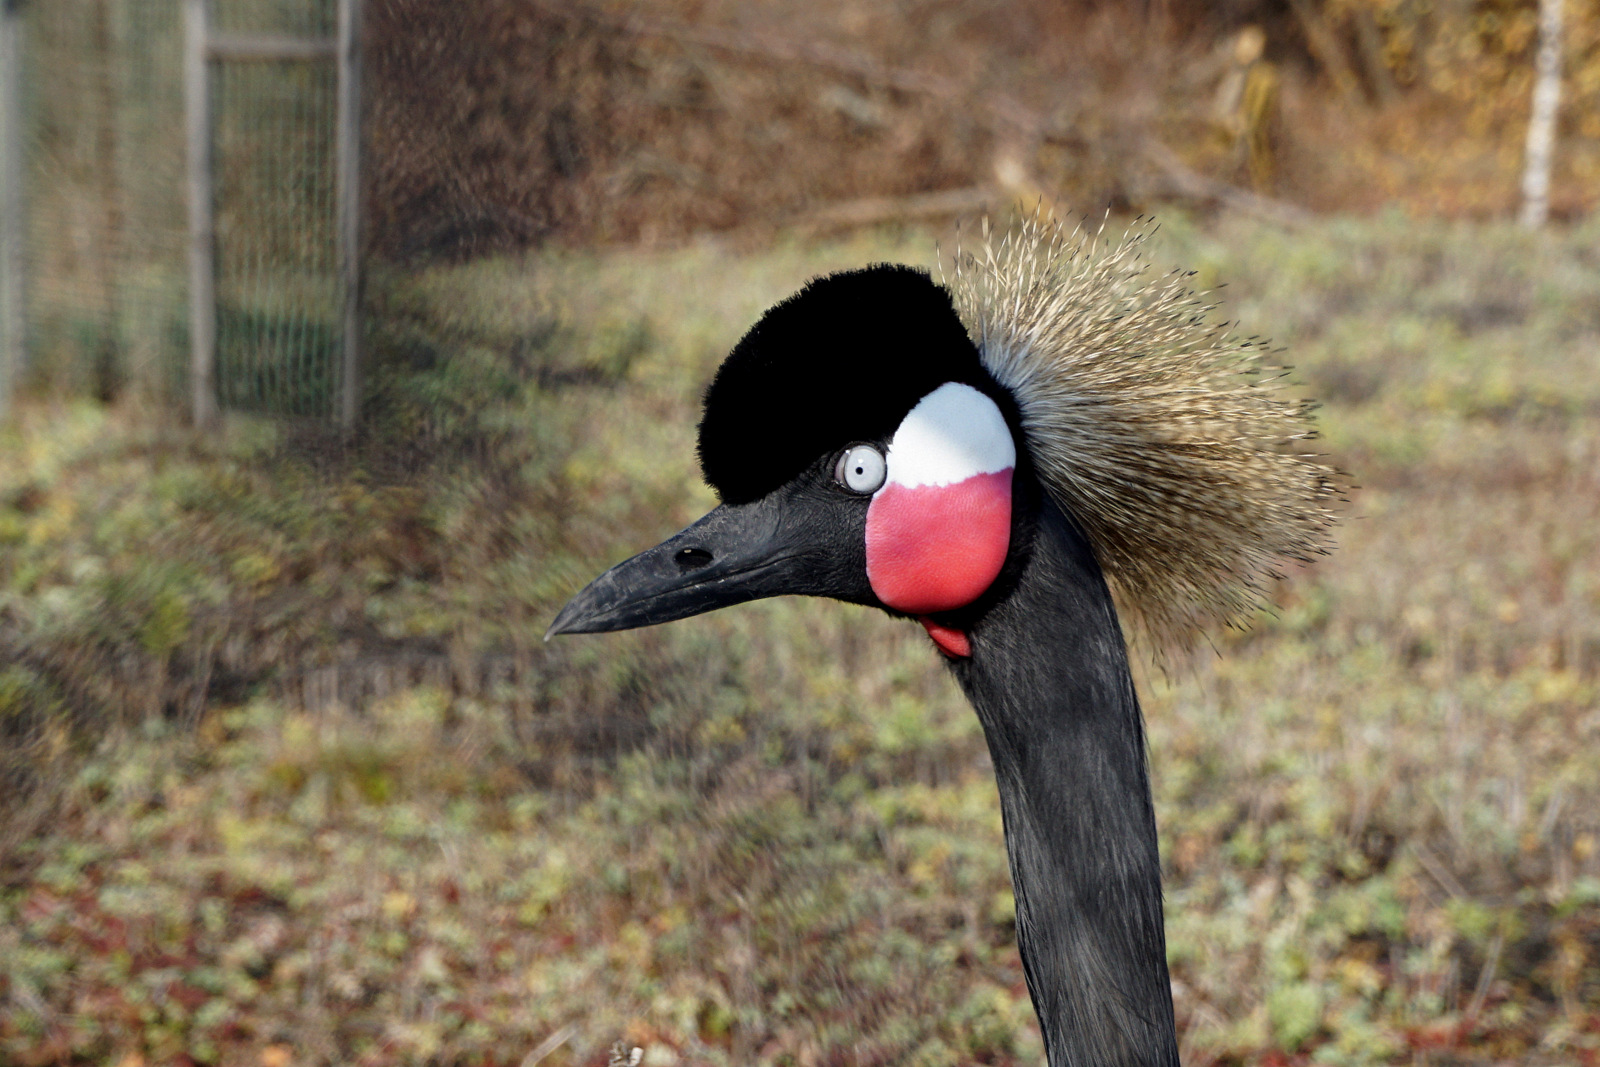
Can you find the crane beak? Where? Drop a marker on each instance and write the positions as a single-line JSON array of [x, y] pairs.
[[732, 555]]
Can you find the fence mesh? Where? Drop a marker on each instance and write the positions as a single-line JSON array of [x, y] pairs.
[[103, 165], [106, 189], [278, 293]]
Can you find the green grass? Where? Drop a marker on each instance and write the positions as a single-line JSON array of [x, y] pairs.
[[290, 777]]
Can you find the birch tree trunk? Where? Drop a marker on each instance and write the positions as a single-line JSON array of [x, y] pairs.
[[1542, 124]]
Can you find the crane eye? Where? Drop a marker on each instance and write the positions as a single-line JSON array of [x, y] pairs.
[[861, 469]]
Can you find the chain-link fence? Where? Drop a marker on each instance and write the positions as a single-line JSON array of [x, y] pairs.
[[99, 155], [106, 181], [278, 297]]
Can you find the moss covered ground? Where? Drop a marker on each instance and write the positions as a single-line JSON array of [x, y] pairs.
[[289, 777]]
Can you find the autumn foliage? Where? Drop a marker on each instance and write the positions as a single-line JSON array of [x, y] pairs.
[[504, 124]]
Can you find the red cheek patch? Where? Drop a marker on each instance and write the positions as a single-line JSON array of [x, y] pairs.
[[937, 547]]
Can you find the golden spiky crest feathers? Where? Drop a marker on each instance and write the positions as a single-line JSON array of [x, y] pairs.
[[1167, 439]]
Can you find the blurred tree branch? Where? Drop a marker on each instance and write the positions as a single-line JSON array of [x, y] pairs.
[[872, 210], [1182, 180], [1325, 46], [1369, 39]]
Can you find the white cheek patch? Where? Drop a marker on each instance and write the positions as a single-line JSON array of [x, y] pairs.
[[954, 433]]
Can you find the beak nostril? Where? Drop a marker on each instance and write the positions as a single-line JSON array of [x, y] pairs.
[[692, 559]]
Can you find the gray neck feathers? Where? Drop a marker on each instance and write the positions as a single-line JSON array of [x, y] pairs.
[[1049, 679]]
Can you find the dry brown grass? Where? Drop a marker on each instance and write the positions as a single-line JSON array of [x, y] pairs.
[[770, 835]]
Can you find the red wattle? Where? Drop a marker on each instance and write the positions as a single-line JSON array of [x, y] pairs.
[[951, 642], [937, 547]]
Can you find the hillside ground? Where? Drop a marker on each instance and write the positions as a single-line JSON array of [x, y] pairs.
[[289, 777]]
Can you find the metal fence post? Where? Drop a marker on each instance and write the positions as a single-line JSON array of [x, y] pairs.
[[202, 220], [13, 219], [349, 193]]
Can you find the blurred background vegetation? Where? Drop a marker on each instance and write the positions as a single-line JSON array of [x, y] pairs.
[[287, 776]]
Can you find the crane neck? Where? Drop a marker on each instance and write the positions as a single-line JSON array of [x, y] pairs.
[[1049, 678]]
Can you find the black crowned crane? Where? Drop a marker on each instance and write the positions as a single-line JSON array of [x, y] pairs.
[[1005, 456]]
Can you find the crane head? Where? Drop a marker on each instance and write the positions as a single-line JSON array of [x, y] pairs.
[[882, 438], [861, 451]]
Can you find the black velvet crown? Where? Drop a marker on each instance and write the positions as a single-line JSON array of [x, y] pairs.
[[840, 361]]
